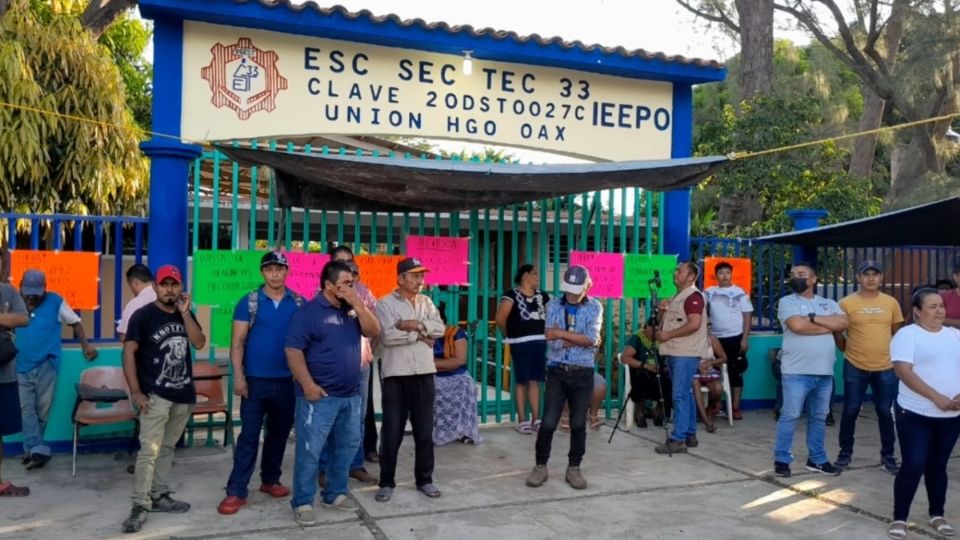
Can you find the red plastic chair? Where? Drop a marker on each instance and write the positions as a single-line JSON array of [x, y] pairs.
[[99, 386]]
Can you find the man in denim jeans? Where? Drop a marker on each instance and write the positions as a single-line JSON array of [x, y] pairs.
[[683, 341], [323, 352], [573, 336], [809, 353], [874, 318], [262, 379]]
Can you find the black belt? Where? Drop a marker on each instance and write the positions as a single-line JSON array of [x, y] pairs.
[[569, 368]]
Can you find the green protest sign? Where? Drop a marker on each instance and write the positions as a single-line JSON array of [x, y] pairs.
[[639, 270], [222, 277], [221, 324]]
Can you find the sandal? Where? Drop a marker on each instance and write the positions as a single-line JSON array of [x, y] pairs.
[[595, 422], [536, 425], [525, 428], [897, 530], [941, 526], [565, 424], [711, 426], [7, 489]]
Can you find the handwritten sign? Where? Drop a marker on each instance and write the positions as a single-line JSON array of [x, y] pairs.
[[742, 271], [641, 269], [74, 275], [305, 270], [606, 272], [446, 257], [378, 272], [220, 278], [221, 324]]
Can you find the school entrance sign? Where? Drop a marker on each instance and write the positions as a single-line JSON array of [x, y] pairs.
[[232, 69], [236, 86]]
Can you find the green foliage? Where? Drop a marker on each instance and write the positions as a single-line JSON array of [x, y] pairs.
[[57, 164], [813, 177]]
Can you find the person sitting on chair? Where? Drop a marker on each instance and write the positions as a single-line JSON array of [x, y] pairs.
[[639, 356], [455, 404], [710, 376]]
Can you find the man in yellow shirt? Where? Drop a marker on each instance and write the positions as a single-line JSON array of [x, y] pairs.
[[874, 318]]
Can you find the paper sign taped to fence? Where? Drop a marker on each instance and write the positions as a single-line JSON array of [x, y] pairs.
[[448, 258], [742, 271], [378, 273], [606, 272], [305, 269], [220, 278], [640, 275], [221, 324], [74, 275]]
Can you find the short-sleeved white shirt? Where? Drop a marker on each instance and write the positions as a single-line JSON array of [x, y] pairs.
[[936, 360], [727, 306]]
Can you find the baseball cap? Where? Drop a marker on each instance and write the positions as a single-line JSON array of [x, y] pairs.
[[410, 264], [575, 280], [169, 271], [273, 257], [869, 265], [34, 283]]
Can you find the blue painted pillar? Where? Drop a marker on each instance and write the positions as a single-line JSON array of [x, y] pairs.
[[675, 231], [169, 157], [803, 219]]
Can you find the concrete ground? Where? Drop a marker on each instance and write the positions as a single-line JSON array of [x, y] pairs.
[[722, 490]]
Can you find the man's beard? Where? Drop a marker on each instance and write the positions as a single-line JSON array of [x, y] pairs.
[[169, 303]]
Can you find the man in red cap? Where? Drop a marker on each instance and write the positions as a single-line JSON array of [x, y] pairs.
[[158, 365], [410, 324]]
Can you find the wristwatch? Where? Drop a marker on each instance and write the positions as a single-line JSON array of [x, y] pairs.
[[812, 316]]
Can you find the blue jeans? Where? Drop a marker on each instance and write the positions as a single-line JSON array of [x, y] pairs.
[[357, 462], [682, 370], [274, 399], [36, 396], [814, 390], [925, 446], [885, 386], [316, 421]]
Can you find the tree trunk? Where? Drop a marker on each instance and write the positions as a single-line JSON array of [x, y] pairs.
[[100, 14], [4, 4], [865, 148], [756, 47]]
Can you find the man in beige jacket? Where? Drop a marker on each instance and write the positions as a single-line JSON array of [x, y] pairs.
[[410, 323]]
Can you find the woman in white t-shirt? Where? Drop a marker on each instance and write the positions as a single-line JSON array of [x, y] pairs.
[[926, 357]]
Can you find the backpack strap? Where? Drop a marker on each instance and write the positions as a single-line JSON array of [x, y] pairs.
[[449, 341], [297, 299], [253, 300]]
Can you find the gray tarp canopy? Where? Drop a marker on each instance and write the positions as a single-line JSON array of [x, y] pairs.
[[336, 182], [933, 224]]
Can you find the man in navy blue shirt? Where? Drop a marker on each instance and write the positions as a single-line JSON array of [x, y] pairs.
[[262, 379], [323, 352]]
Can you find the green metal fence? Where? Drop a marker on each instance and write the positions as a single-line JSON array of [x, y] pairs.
[[235, 208]]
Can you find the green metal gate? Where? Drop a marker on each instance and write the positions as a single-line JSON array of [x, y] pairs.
[[235, 208]]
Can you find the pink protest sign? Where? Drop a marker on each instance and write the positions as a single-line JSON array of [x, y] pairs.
[[446, 257], [305, 268], [606, 272]]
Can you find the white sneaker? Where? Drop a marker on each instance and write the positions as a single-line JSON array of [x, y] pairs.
[[304, 515]]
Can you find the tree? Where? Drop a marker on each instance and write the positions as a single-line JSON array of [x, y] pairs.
[[918, 82], [56, 163], [752, 22], [97, 16], [812, 177]]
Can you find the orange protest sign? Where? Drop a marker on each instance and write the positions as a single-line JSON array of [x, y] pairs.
[[74, 275], [378, 272], [742, 271]]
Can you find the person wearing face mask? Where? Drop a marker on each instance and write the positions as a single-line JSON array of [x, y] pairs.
[[809, 353]]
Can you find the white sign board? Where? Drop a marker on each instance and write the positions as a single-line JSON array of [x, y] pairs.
[[241, 83]]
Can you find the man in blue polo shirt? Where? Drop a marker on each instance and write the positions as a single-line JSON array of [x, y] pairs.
[[262, 380], [323, 352]]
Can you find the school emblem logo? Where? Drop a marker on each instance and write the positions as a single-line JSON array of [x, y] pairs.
[[243, 78]]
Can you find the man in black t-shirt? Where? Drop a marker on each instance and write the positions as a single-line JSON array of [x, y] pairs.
[[157, 363]]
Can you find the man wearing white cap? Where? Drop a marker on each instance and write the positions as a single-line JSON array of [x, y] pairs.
[[573, 336]]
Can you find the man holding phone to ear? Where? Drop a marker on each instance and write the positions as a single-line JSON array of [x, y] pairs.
[[158, 366]]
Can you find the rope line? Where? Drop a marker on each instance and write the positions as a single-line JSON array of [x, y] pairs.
[[732, 156]]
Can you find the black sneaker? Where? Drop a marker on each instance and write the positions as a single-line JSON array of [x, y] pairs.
[[37, 461], [842, 463], [824, 468], [165, 503], [830, 420], [890, 465], [781, 469], [136, 519]]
